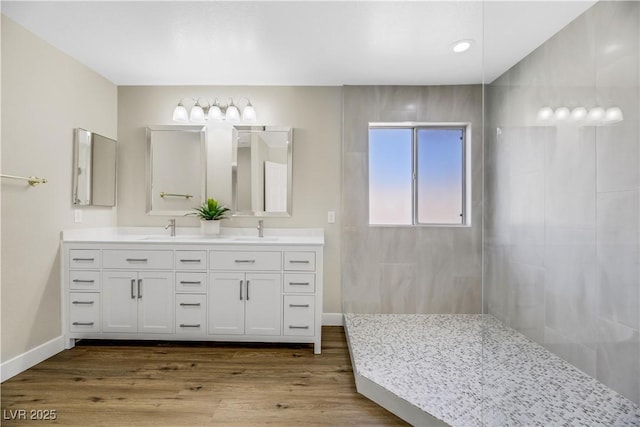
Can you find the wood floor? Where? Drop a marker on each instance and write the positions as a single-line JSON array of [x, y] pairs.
[[189, 384]]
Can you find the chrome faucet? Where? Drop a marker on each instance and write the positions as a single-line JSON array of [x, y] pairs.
[[172, 226], [260, 228]]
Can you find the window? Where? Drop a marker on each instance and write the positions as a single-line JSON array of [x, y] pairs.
[[417, 175]]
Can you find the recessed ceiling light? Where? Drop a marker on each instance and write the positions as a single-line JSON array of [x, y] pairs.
[[461, 46]]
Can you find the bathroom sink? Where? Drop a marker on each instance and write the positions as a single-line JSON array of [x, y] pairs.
[[255, 239], [182, 237]]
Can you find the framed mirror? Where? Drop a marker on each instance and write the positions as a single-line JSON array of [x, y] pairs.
[[176, 169], [261, 170], [94, 169]]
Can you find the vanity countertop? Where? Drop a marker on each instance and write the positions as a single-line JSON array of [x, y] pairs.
[[192, 235]]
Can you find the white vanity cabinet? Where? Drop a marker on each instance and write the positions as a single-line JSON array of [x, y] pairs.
[[220, 289]]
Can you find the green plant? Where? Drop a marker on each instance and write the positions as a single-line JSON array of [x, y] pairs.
[[211, 211]]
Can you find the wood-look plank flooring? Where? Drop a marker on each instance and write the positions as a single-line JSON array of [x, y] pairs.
[[195, 384]]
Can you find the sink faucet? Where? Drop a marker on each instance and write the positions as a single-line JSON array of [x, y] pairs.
[[172, 226], [260, 228]]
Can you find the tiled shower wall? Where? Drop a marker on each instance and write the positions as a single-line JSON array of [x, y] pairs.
[[562, 207], [408, 269]]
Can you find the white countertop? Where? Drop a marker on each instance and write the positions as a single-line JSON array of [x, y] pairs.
[[192, 235]]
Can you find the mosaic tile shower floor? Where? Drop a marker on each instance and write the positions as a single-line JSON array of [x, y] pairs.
[[471, 370]]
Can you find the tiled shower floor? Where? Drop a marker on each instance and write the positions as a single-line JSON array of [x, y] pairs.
[[471, 370]]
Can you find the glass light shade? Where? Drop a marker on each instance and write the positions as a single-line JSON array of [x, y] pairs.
[[561, 114], [613, 115], [545, 115], [578, 114], [233, 115], [249, 114], [595, 115], [180, 114], [197, 114], [215, 113]]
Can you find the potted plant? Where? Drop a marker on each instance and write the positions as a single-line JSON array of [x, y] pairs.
[[210, 213]]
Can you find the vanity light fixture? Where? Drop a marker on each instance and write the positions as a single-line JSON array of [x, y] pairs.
[[213, 111], [595, 116], [462, 45]]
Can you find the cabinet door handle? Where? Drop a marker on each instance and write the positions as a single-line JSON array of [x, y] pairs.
[[182, 325], [298, 327], [299, 261], [82, 302], [241, 281], [245, 261], [83, 281], [137, 259], [83, 323], [188, 282], [299, 305], [83, 259], [133, 283], [189, 260], [140, 288], [190, 304], [247, 290], [299, 283]]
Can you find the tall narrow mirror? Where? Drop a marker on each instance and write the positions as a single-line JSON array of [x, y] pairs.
[[94, 169], [261, 170], [176, 169]]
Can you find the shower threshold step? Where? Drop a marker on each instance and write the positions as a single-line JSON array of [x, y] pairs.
[[472, 370]]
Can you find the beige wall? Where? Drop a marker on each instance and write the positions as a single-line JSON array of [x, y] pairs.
[[45, 95], [315, 113]]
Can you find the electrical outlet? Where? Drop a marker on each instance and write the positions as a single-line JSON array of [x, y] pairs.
[[77, 216], [331, 217]]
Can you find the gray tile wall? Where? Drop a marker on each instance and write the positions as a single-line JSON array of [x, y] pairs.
[[562, 209], [408, 269]]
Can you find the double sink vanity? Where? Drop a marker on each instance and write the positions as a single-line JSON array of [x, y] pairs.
[[142, 283]]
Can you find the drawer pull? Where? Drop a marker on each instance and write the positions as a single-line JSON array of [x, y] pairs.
[[83, 323], [189, 260], [182, 325], [299, 283], [299, 261], [298, 327], [190, 282], [189, 304], [82, 302], [299, 305], [83, 281], [83, 259], [137, 259], [245, 261]]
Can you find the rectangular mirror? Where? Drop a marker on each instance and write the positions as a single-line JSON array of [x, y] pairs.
[[176, 169], [94, 169], [261, 170]]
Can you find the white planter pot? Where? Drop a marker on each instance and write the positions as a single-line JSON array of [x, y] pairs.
[[210, 228]]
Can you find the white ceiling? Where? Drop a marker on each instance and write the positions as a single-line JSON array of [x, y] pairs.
[[295, 42]]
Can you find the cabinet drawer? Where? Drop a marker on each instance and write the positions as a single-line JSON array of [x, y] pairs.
[[84, 312], [300, 261], [191, 260], [191, 314], [300, 282], [84, 258], [157, 260], [84, 280], [245, 261], [191, 282], [299, 315]]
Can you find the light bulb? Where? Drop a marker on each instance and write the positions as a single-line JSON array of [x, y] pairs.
[[180, 114], [561, 114], [613, 115], [249, 113], [461, 46], [197, 114]]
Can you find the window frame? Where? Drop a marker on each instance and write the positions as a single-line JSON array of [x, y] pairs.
[[465, 128]]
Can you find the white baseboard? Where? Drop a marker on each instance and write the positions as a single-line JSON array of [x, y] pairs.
[[332, 319], [24, 361]]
